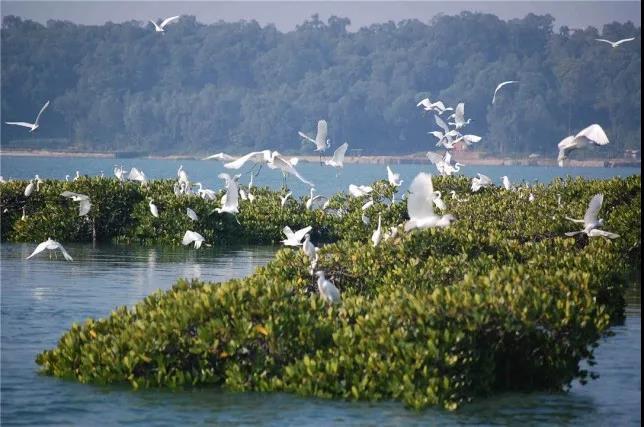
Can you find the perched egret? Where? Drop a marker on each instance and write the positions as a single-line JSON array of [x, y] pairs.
[[531, 198], [592, 135], [420, 205], [85, 203], [312, 199], [365, 219], [192, 214], [193, 236], [32, 126], [294, 238], [159, 28], [617, 43], [284, 198], [231, 204], [480, 182], [359, 190], [137, 175], [77, 176], [327, 290], [500, 86], [591, 220], [153, 209], [51, 245], [119, 173], [321, 142], [377, 234], [506, 183], [307, 247], [38, 182], [29, 188], [205, 193], [367, 205]]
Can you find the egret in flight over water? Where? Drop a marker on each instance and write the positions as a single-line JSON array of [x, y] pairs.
[[420, 205], [50, 245], [592, 135], [32, 126], [193, 236], [85, 203]]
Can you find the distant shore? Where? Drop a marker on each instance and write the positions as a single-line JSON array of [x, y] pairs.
[[468, 158]]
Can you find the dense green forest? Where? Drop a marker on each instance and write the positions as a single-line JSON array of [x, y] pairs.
[[240, 86]]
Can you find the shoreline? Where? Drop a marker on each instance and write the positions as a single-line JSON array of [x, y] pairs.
[[468, 158]]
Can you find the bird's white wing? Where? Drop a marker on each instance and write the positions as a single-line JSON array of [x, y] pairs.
[[469, 139], [500, 86], [192, 214], [390, 175], [437, 134], [255, 156], [232, 194], [135, 175], [23, 124], [420, 199], [320, 137], [484, 179], [594, 206], [56, 245], [459, 113], [596, 232], [188, 238], [85, 206], [168, 20], [447, 157], [220, 156], [78, 196], [617, 43], [288, 232], [595, 134], [441, 123], [41, 247], [305, 136], [338, 154], [425, 103], [605, 41], [283, 164], [299, 234], [41, 110]]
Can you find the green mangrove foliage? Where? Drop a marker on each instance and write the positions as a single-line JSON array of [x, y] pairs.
[[498, 301]]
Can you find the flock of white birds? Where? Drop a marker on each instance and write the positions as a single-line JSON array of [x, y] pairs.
[[421, 197]]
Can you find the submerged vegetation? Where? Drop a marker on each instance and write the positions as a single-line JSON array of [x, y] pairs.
[[501, 300]]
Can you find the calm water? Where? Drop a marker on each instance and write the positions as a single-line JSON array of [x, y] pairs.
[[41, 298], [324, 178]]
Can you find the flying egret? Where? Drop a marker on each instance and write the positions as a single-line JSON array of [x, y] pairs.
[[29, 188], [321, 142], [294, 238], [85, 203], [591, 220], [338, 157], [393, 178], [287, 167], [480, 182], [193, 236], [160, 27], [32, 126], [617, 43], [437, 107], [192, 214], [223, 157], [153, 209], [459, 117], [327, 290], [592, 135], [50, 245], [467, 139], [500, 86], [420, 205], [231, 203], [137, 175], [377, 234]]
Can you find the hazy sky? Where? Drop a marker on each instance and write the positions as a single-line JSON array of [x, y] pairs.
[[287, 14]]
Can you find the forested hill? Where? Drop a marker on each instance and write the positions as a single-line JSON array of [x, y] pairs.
[[239, 86]]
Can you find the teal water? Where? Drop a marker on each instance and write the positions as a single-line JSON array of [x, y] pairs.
[[323, 177], [42, 297]]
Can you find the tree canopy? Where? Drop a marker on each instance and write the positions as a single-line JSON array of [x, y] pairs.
[[240, 86]]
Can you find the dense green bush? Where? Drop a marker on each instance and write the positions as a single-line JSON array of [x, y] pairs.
[[498, 301]]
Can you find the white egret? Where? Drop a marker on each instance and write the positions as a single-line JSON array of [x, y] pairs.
[[367, 205], [467, 139], [500, 86], [66, 178], [327, 290], [617, 43], [420, 205], [223, 157], [287, 167], [592, 135], [77, 176], [480, 182], [591, 220], [50, 245], [193, 236], [459, 117], [38, 182], [192, 214], [153, 209], [231, 203], [284, 198], [359, 190], [365, 219], [85, 203], [294, 238], [257, 157], [438, 201], [32, 126], [506, 183], [377, 234], [182, 175], [29, 188], [159, 28], [321, 142], [205, 193], [338, 157], [307, 247], [137, 175], [393, 232], [437, 107], [312, 199], [531, 197], [119, 173], [393, 178]]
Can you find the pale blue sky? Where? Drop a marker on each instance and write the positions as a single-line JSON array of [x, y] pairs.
[[285, 15]]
